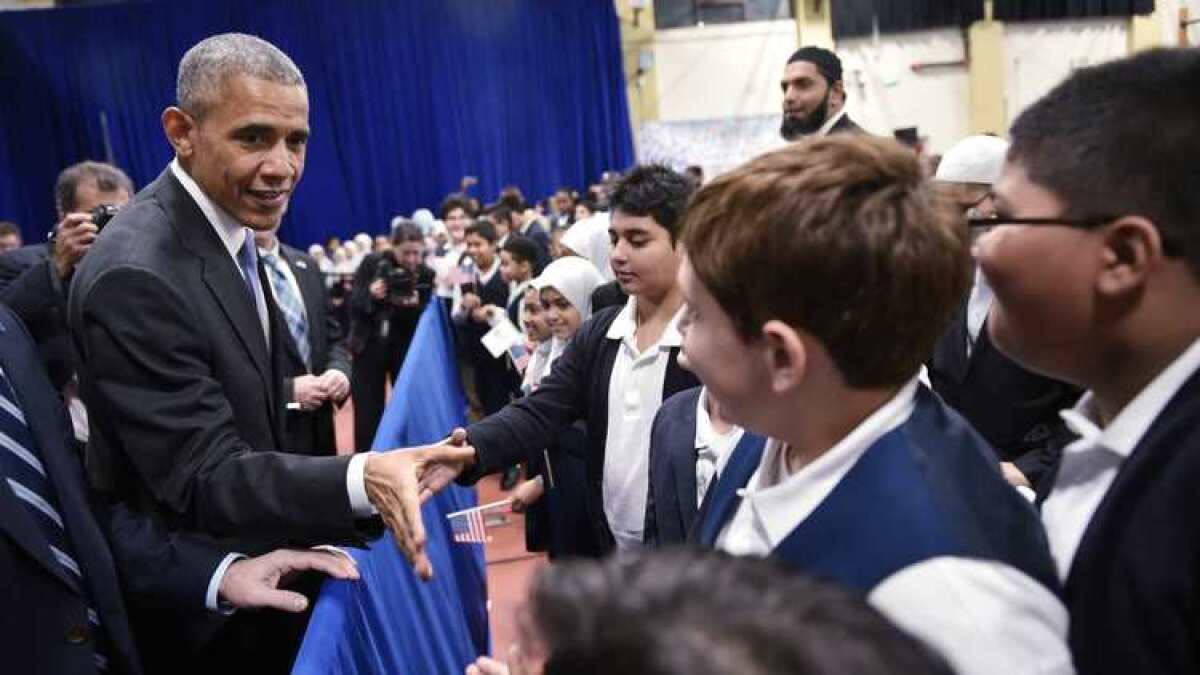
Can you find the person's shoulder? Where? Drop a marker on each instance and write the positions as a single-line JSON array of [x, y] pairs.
[[21, 259], [681, 403]]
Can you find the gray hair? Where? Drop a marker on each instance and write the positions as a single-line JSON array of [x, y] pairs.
[[206, 66], [108, 179]]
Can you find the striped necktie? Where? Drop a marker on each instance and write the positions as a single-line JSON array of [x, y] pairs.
[[22, 468], [290, 305]]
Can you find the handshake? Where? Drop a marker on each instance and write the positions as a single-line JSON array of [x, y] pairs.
[[310, 392], [399, 482]]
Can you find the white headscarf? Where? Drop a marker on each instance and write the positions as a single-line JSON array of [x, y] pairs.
[[575, 279], [589, 238]]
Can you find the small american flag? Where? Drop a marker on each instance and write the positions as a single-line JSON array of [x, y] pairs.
[[469, 527]]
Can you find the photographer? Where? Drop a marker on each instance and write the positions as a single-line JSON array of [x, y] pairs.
[[391, 289], [34, 279]]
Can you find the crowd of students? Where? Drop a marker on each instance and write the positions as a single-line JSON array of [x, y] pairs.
[[961, 404]]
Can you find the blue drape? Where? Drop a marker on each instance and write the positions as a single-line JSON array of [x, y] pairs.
[[389, 621], [406, 97]]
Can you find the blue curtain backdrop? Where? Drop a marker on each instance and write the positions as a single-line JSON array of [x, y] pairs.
[[389, 621], [406, 97]]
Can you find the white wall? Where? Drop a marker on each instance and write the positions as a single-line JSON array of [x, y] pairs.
[[1039, 55], [885, 93], [721, 71], [1169, 10]]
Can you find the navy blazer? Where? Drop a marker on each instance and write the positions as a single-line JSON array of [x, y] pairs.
[[44, 624], [1133, 589], [29, 285], [576, 388], [671, 497]]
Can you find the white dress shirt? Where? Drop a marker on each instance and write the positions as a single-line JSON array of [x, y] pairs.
[[982, 616], [635, 393], [712, 448], [978, 304], [233, 235], [474, 276], [1090, 464]]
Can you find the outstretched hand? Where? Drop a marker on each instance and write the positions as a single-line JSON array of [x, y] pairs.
[[398, 482]]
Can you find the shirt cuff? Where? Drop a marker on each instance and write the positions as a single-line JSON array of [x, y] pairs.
[[356, 486], [211, 602]]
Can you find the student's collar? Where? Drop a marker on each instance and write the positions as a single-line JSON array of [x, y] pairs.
[[625, 325], [1129, 426]]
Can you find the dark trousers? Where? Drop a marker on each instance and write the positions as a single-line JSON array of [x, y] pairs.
[[377, 364]]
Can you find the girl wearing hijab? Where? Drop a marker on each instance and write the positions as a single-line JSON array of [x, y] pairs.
[[590, 239], [558, 523]]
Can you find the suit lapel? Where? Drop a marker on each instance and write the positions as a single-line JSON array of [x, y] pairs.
[[683, 459], [221, 275], [722, 499]]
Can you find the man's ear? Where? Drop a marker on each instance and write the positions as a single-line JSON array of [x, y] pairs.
[[838, 92], [1132, 246], [786, 356], [179, 128]]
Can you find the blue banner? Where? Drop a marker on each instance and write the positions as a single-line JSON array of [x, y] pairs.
[[389, 621]]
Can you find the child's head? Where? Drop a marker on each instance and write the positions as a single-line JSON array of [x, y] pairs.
[[646, 209], [566, 290], [518, 259], [1107, 163], [829, 263], [481, 243], [533, 317]]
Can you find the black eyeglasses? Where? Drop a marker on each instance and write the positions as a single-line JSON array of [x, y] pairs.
[[1171, 248], [1080, 223]]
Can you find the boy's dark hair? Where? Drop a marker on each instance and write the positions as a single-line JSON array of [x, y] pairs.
[[1122, 138], [405, 231], [503, 213], [8, 227], [842, 237], [513, 198], [676, 612], [484, 229], [455, 201], [523, 249], [653, 190]]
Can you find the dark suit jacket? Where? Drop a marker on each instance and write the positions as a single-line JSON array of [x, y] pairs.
[[44, 626], [311, 432], [1133, 589], [846, 126], [1014, 409], [29, 286], [671, 498], [608, 295], [576, 388], [183, 391]]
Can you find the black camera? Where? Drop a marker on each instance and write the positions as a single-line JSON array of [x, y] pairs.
[[102, 214], [400, 282]]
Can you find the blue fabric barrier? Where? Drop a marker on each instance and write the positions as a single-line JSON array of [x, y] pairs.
[[390, 621]]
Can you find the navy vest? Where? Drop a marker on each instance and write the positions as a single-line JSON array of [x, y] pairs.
[[926, 489]]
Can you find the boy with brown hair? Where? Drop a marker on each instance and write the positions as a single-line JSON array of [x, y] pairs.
[[817, 279]]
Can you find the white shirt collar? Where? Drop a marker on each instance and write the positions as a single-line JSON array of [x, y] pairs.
[[1126, 430], [624, 326], [274, 249], [782, 502], [824, 130], [704, 430], [232, 233]]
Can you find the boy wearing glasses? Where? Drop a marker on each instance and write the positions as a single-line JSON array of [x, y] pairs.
[[1094, 260], [1014, 409], [867, 478]]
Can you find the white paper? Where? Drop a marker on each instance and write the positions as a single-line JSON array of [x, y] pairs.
[[501, 337]]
